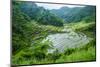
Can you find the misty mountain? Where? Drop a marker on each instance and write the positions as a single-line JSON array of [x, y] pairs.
[[61, 12], [57, 17], [75, 14], [40, 14]]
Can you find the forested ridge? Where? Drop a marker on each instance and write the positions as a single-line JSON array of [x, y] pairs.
[[75, 14], [32, 23]]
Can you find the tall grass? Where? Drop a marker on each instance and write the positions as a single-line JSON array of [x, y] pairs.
[[85, 53], [37, 52]]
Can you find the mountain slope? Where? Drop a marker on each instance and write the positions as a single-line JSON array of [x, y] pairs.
[[40, 14], [75, 14]]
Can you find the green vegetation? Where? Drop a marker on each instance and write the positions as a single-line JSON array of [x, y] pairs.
[[76, 14], [88, 28], [40, 14], [85, 53], [31, 24]]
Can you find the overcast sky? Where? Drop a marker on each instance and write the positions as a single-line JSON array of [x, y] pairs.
[[55, 6], [88, 2]]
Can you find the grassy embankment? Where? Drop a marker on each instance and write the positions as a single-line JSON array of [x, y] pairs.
[[87, 52], [38, 54]]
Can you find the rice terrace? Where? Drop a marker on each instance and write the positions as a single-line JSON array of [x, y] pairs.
[[45, 33]]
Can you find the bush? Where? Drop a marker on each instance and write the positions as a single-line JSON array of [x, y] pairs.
[[69, 51]]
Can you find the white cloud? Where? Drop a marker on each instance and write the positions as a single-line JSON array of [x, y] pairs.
[[89, 2], [55, 6]]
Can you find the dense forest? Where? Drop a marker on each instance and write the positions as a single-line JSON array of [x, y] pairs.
[[31, 24]]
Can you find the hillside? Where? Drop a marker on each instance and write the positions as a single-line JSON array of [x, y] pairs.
[[40, 14], [75, 14], [43, 36]]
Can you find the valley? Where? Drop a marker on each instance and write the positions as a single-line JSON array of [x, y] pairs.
[[43, 36]]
